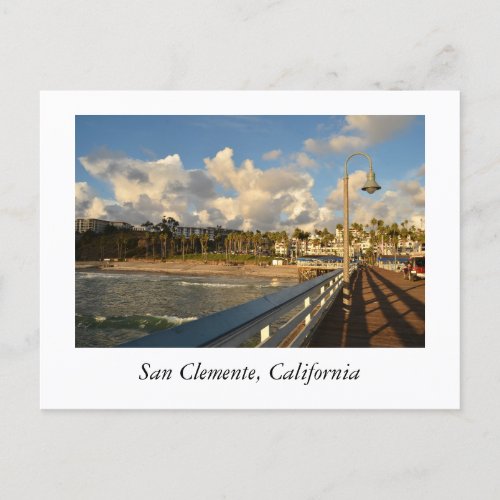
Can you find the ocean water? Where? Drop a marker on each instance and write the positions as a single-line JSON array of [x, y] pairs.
[[113, 307]]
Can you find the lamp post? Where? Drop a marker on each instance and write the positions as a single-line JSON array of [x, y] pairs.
[[370, 187]]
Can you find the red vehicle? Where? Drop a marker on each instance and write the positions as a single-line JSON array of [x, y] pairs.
[[416, 268]]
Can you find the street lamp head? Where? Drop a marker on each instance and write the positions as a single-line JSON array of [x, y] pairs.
[[370, 185]]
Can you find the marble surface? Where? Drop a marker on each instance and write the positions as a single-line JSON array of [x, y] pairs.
[[249, 45]]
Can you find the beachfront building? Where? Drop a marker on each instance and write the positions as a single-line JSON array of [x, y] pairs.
[[282, 248], [331, 248], [99, 225], [198, 231], [212, 232], [315, 246], [94, 225]]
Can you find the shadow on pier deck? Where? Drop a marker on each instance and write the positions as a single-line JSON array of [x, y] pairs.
[[387, 311]]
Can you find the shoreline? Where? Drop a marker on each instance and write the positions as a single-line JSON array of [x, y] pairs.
[[190, 268]]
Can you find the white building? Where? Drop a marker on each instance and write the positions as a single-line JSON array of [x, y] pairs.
[[198, 231], [94, 225], [282, 249], [98, 225]]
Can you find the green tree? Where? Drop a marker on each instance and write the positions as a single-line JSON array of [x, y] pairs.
[[154, 239], [147, 240], [183, 246], [297, 235], [305, 239], [204, 245], [102, 241], [163, 245]]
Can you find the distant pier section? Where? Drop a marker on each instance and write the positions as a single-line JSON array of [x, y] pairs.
[[312, 267]]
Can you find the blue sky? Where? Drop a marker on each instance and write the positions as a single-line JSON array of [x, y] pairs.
[[314, 147]]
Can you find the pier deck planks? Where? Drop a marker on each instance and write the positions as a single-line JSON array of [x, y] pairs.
[[387, 311]]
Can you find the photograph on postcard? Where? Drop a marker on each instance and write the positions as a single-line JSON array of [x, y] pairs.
[[250, 231]]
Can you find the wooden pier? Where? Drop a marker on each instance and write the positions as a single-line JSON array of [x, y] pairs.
[[312, 271], [386, 311]]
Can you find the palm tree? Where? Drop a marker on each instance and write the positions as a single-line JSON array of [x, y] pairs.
[[297, 236], [147, 238], [154, 238], [393, 233], [163, 245], [183, 245], [101, 246], [305, 238], [412, 234], [118, 241], [217, 237], [373, 241], [380, 233], [404, 232], [173, 240], [125, 241], [192, 238], [227, 242], [257, 241], [248, 241], [148, 225], [240, 238], [196, 238], [204, 245]]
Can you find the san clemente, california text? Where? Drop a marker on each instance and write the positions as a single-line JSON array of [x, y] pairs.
[[303, 372]]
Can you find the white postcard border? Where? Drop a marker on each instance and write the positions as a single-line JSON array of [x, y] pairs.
[[404, 378]]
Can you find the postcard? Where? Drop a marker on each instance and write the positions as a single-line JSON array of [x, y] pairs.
[[250, 250]]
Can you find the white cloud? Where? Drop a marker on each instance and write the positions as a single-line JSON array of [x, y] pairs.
[[405, 202], [248, 197], [264, 199], [316, 146], [272, 155], [236, 196], [341, 143], [146, 189], [412, 190], [376, 128], [364, 131], [87, 204], [303, 160]]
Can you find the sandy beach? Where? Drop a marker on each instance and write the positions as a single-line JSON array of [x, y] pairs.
[[195, 268]]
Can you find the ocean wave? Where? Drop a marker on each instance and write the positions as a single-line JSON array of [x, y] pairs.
[[147, 322], [143, 278], [95, 275], [211, 285], [125, 276]]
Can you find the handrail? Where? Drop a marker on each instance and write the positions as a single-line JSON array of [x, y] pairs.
[[232, 327]]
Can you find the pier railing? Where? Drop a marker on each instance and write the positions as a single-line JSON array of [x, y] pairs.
[[264, 322]]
